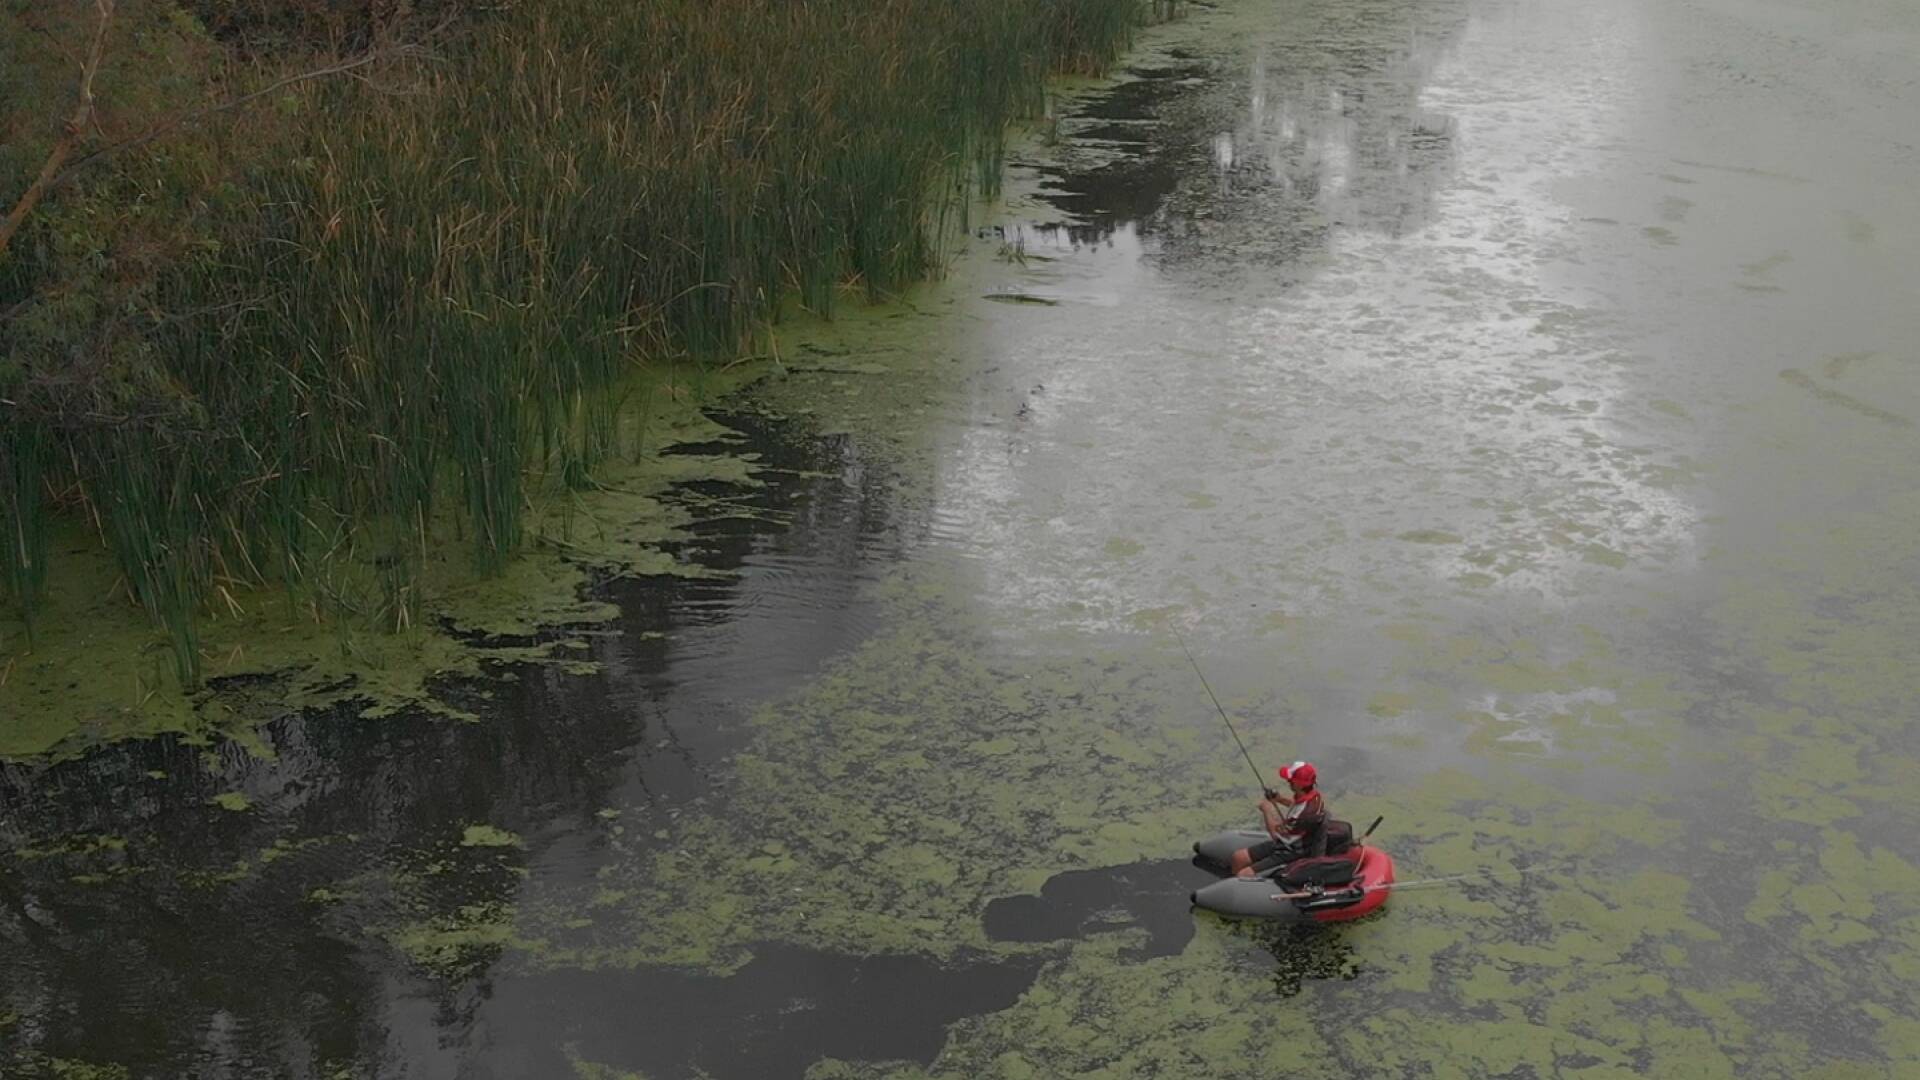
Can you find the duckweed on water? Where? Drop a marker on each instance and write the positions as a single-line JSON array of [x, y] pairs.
[[1624, 962], [889, 836], [95, 673], [890, 840], [449, 910], [1589, 975], [71, 1069], [76, 844], [459, 944], [1517, 699], [589, 1070], [488, 836]]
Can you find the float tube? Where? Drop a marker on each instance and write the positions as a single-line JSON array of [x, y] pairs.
[[1351, 880]]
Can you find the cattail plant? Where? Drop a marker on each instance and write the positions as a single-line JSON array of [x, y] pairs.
[[424, 305]]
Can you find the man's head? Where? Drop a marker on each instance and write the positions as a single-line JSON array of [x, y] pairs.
[[1300, 776]]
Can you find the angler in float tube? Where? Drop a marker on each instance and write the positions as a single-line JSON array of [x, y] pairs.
[[1296, 824]]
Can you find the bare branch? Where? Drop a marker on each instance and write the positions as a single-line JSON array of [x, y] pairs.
[[76, 125], [58, 169], [197, 115]]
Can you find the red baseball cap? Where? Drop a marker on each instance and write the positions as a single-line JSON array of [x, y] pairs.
[[1299, 772]]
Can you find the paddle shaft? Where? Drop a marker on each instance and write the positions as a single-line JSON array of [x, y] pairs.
[[1420, 883]]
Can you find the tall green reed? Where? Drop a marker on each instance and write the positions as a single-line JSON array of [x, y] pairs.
[[24, 453], [425, 311]]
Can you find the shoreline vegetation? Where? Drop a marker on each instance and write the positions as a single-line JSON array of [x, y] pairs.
[[347, 307]]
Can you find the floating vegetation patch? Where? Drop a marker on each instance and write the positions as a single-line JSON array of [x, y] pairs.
[[488, 836], [1304, 953], [95, 673]]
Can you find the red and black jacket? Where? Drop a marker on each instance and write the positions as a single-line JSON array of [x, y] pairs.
[[1306, 822]]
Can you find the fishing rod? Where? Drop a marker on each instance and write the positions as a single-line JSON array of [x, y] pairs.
[[1418, 883], [1489, 875], [1257, 778]]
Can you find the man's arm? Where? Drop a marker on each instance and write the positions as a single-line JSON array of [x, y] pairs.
[[1274, 819]]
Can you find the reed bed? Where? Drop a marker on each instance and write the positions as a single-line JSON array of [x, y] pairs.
[[430, 304]]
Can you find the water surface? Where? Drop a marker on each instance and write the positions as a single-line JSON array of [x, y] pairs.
[[1513, 405]]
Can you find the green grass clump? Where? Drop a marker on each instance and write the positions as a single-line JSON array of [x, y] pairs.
[[379, 311]]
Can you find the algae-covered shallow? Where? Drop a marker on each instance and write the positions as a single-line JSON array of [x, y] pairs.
[[1504, 406], [95, 669]]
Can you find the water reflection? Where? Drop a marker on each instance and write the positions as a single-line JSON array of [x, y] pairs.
[[1258, 164], [1319, 127]]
